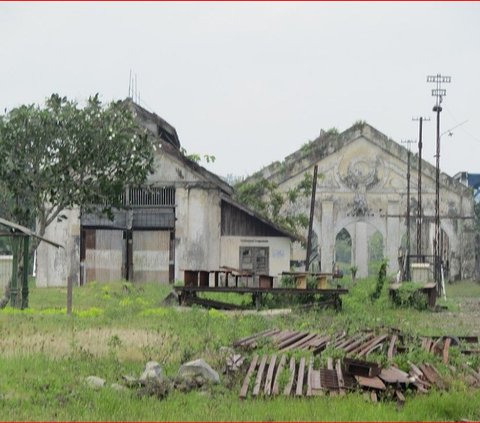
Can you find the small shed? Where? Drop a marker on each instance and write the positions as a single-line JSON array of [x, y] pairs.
[[19, 259]]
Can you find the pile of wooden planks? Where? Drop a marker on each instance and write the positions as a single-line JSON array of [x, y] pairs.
[[277, 374], [283, 374], [360, 345]]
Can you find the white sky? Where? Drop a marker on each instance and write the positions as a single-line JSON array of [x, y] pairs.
[[251, 82]]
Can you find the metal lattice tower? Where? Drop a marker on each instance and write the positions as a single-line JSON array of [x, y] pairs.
[[419, 181], [438, 93]]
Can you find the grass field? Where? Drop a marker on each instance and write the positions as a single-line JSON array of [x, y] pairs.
[[45, 356]]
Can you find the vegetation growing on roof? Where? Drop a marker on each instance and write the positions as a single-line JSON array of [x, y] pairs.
[[263, 196]]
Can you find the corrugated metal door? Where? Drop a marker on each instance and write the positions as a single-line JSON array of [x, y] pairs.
[[104, 255], [151, 255]]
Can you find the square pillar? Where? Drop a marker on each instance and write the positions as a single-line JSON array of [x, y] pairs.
[[327, 236]]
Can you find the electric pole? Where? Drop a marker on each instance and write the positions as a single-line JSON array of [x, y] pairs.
[[438, 93], [419, 189], [407, 253], [310, 223]]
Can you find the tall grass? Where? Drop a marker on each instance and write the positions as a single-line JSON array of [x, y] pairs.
[[45, 356]]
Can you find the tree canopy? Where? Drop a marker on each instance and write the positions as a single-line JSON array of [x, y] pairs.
[[61, 155], [265, 197]]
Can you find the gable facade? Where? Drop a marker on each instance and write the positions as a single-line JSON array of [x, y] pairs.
[[362, 188], [172, 224]]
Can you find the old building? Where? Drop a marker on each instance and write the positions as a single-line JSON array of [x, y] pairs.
[[362, 194], [184, 218]]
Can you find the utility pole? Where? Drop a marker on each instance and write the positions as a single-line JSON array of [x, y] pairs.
[[419, 189], [407, 253], [438, 93], [310, 223]]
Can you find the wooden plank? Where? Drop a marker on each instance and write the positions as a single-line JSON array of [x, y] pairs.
[[338, 339], [300, 377], [393, 375], [333, 393], [373, 348], [364, 345], [283, 335], [367, 348], [435, 349], [246, 382], [400, 397], [371, 382], [315, 381], [258, 381], [301, 342], [341, 384], [391, 347], [292, 339], [439, 379], [276, 382], [309, 377], [446, 347], [241, 341], [330, 363], [288, 388], [357, 344], [268, 382]]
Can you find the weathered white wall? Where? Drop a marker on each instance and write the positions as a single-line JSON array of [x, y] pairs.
[[197, 233], [362, 166], [279, 251], [5, 270], [54, 265]]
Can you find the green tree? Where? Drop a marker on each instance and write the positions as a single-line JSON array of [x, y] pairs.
[[263, 196], [61, 155]]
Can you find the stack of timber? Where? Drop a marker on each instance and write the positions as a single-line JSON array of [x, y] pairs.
[[281, 373]]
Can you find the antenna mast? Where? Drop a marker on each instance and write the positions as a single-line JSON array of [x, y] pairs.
[[438, 93]]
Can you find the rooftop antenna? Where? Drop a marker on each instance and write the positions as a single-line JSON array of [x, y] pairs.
[[130, 84], [438, 93], [407, 254], [136, 87]]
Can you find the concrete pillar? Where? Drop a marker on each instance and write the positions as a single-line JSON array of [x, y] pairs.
[[361, 249], [328, 236], [393, 236]]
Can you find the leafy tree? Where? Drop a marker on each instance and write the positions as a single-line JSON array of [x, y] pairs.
[[263, 196], [61, 155]]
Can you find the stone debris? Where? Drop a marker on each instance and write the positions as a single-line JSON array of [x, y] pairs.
[[198, 370], [118, 387], [153, 373], [95, 382]]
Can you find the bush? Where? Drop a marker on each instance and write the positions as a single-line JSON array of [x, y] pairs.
[[410, 295]]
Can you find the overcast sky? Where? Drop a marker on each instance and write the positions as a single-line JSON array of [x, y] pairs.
[[251, 82]]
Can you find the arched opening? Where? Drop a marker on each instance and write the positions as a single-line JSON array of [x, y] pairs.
[[376, 247], [343, 251]]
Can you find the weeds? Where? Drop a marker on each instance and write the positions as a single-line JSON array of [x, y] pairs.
[[45, 355]]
